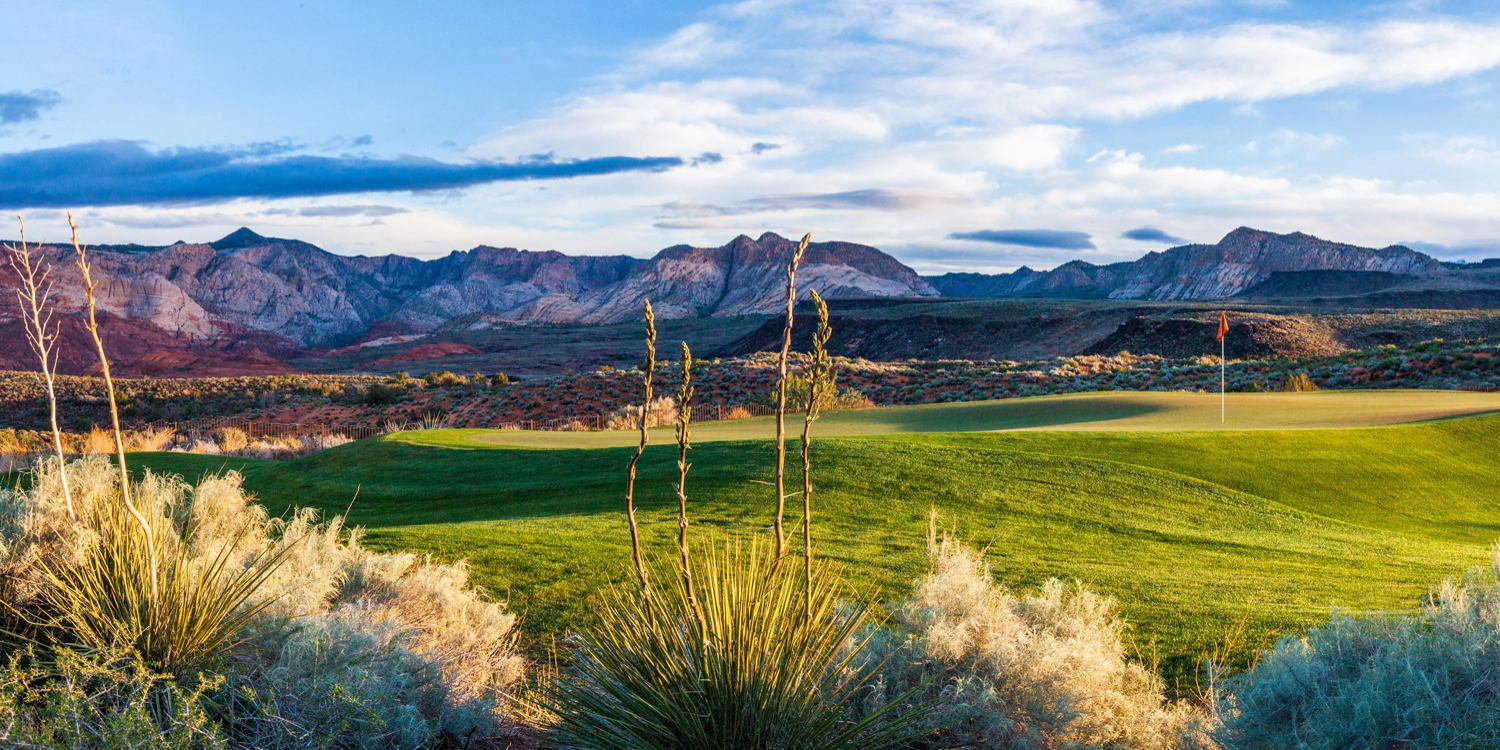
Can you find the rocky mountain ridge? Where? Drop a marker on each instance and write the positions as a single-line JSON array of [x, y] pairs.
[[307, 297], [251, 300], [1243, 259]]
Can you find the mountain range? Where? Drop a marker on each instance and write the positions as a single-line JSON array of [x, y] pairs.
[[1242, 260], [246, 302]]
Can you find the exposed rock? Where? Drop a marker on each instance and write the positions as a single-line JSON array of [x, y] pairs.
[[246, 282], [1244, 258], [430, 351]]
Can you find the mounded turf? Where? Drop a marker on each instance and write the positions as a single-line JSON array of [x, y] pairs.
[[1114, 411], [1193, 532]]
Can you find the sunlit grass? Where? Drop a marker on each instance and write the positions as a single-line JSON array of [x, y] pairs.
[[1192, 532]]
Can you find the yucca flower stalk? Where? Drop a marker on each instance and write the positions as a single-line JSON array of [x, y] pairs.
[[684, 418], [34, 296], [781, 389], [820, 389], [766, 676], [647, 372], [92, 324]]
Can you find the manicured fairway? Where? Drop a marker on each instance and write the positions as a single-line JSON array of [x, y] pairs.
[[1191, 531], [1114, 411]]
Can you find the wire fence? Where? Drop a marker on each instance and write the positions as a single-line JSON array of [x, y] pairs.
[[314, 436], [598, 422], [262, 429]]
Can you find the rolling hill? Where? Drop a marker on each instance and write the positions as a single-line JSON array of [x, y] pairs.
[[1192, 531]]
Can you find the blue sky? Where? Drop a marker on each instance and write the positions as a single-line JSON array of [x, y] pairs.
[[956, 135]]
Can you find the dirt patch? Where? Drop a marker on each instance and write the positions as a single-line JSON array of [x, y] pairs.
[[170, 364], [1251, 335], [422, 352]]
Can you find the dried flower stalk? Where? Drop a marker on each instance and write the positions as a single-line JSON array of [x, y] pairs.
[[92, 324], [820, 390], [781, 388], [34, 296], [649, 370], [684, 417]]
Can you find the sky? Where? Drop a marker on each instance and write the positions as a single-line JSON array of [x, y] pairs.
[[958, 136]]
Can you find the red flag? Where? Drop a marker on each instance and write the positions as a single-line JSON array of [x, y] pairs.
[[1223, 326]]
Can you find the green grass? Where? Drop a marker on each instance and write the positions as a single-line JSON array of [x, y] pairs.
[[1113, 411], [1191, 531]]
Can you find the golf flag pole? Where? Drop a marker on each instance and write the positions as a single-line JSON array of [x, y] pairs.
[[1223, 329]]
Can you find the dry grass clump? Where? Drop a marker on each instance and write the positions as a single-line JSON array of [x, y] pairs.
[[1041, 670], [322, 442], [738, 411], [231, 439], [663, 411], [97, 442], [1423, 681], [1298, 382], [316, 635], [151, 439]]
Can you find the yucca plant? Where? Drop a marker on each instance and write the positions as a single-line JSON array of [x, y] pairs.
[[758, 674], [177, 618]]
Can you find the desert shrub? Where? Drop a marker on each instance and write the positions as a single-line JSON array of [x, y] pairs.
[[1382, 681], [1043, 670], [76, 702], [321, 442], [499, 381], [796, 396], [761, 674], [663, 411], [385, 394], [444, 379], [98, 442], [1298, 382], [151, 440], [332, 643], [231, 439], [433, 418], [199, 445], [274, 448], [738, 411], [108, 584]]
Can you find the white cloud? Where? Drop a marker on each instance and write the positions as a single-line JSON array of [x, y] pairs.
[[1461, 150], [686, 47], [1027, 148], [1317, 141], [896, 122]]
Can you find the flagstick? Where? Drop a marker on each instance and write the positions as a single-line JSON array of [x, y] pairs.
[[1221, 380]]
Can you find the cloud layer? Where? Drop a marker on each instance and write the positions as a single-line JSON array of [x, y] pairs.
[[116, 173], [906, 124], [20, 106], [1150, 234], [1058, 239]]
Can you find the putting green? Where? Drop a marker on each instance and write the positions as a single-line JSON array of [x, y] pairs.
[[1133, 411]]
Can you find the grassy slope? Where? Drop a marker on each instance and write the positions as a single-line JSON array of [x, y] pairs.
[[1192, 532], [1132, 411]]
